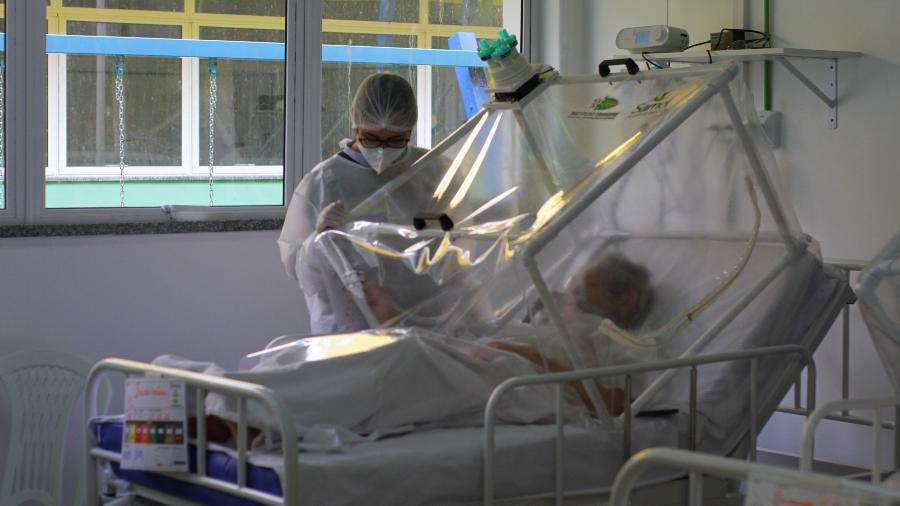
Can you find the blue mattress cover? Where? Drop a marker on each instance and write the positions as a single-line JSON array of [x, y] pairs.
[[219, 465]]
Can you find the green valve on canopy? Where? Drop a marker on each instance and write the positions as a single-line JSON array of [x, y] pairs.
[[499, 48], [485, 48], [507, 38]]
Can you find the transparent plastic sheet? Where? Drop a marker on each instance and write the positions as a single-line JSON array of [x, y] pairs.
[[688, 226], [378, 383], [879, 302]]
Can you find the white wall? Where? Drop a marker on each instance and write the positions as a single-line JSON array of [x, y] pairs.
[[204, 296], [844, 183], [214, 296], [575, 35]]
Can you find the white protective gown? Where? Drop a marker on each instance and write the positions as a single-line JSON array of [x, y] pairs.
[[336, 178]]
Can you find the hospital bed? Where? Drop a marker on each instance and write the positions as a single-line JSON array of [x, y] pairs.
[[878, 289], [766, 485], [771, 485], [677, 178], [455, 465], [444, 466]]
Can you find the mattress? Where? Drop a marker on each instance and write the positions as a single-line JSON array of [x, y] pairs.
[[440, 466], [219, 464]]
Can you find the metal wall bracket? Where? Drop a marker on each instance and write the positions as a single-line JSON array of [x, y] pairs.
[[826, 88], [827, 91]]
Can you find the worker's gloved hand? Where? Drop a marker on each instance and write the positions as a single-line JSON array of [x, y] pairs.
[[331, 216]]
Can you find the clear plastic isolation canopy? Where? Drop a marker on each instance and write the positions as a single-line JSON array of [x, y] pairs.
[[879, 301], [579, 168]]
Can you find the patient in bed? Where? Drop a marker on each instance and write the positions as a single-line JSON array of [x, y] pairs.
[[380, 383], [437, 380], [613, 287]]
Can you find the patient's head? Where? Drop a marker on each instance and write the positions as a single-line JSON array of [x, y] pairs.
[[615, 288]]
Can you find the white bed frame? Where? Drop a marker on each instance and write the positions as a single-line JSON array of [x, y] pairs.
[[700, 467], [875, 405], [627, 371], [201, 384], [840, 410], [244, 392]]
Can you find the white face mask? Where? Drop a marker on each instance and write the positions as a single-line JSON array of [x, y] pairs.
[[381, 159]]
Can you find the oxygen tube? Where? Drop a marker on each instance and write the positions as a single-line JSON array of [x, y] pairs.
[[682, 320]]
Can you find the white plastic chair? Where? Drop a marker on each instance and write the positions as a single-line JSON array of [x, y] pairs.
[[41, 386]]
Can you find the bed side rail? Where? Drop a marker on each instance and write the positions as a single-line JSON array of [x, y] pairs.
[[875, 405], [561, 378], [697, 465], [202, 384]]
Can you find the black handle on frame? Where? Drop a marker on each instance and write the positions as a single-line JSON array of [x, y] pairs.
[[420, 221], [630, 65]]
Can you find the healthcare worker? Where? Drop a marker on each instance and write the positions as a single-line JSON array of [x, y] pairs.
[[383, 114]]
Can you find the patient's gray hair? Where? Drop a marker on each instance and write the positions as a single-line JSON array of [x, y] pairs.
[[623, 275]]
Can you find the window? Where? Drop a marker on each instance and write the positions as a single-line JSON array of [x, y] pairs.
[[89, 111], [151, 103], [166, 103], [150, 5], [465, 12], [274, 8], [447, 108]]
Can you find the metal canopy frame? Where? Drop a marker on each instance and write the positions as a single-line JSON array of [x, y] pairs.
[[722, 75], [718, 85]]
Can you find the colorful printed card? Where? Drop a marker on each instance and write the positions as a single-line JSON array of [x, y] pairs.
[[154, 436], [763, 492]]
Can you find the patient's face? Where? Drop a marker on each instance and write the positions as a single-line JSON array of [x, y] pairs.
[[619, 305]]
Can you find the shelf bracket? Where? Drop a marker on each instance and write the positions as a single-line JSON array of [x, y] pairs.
[[827, 93]]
